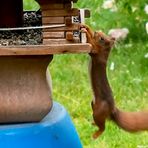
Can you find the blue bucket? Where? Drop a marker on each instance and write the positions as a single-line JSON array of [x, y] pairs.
[[56, 130]]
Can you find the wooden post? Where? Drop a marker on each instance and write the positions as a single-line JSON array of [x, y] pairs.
[[11, 13], [25, 95]]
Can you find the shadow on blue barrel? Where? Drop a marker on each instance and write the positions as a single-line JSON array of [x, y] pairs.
[[56, 130]]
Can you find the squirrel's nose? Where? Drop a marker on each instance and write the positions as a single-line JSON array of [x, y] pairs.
[[113, 39]]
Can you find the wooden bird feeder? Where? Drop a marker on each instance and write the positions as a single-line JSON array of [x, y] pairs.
[[25, 95], [11, 13]]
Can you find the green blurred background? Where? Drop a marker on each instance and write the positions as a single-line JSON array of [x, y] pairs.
[[127, 72]]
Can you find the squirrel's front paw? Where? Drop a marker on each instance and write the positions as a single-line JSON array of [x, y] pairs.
[[83, 30]]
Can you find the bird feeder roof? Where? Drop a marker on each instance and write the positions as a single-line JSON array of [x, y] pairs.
[[55, 1]]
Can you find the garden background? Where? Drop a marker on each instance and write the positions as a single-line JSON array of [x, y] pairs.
[[127, 71]]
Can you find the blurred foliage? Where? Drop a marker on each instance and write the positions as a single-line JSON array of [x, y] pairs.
[[30, 5], [128, 79], [129, 14]]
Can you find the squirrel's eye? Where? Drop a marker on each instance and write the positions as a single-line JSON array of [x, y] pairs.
[[101, 40]]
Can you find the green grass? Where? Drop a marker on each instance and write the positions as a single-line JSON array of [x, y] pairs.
[[129, 81]]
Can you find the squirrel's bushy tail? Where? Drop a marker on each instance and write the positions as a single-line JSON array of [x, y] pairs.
[[131, 121]]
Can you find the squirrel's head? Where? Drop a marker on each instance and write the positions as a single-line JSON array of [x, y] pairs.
[[104, 44], [103, 40]]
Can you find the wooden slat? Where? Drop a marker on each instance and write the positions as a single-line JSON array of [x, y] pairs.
[[42, 2], [45, 49], [87, 13], [66, 28], [61, 41], [52, 35], [52, 6], [64, 12], [68, 6], [55, 1], [56, 41], [71, 0], [74, 1], [53, 20]]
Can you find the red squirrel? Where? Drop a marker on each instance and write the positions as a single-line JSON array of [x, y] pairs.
[[103, 105]]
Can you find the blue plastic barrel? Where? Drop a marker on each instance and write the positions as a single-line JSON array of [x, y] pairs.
[[56, 130]]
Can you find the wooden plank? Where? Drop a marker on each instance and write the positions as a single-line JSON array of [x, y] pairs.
[[52, 6], [74, 1], [45, 49], [52, 35], [61, 41], [42, 2], [68, 6], [66, 28], [64, 12], [55, 1], [53, 20], [71, 0], [56, 41], [87, 13]]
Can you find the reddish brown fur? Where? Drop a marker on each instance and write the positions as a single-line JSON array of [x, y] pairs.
[[103, 104]]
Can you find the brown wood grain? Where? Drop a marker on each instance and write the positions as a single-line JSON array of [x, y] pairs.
[[56, 41], [52, 6], [68, 6], [64, 12], [25, 95], [11, 13], [61, 41], [53, 20], [45, 49], [47, 35], [66, 28], [87, 13], [55, 1]]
